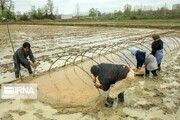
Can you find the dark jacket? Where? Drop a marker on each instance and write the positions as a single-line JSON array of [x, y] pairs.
[[156, 45], [22, 57], [140, 57], [110, 74]]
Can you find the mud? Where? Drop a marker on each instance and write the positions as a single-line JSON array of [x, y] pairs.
[[68, 93]]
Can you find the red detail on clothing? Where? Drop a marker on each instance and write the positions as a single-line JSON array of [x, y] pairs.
[[129, 68]]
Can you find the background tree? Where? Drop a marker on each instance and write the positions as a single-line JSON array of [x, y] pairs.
[[127, 10], [95, 13], [50, 7], [7, 9], [33, 12], [45, 11], [56, 12], [3, 4], [24, 17], [92, 12], [117, 15], [39, 13], [77, 10]]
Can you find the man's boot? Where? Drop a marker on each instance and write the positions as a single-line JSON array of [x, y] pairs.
[[159, 67], [121, 97], [154, 73], [109, 102], [29, 70], [16, 73]]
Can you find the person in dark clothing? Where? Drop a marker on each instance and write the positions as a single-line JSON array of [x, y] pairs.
[[157, 49], [20, 57], [108, 74], [143, 58]]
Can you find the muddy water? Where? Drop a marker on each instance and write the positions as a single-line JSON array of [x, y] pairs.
[[69, 89], [50, 42], [72, 85]]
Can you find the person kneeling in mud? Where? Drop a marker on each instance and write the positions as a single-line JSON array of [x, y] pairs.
[[113, 77], [20, 57]]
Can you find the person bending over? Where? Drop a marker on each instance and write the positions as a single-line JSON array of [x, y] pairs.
[[147, 59], [20, 58], [113, 77]]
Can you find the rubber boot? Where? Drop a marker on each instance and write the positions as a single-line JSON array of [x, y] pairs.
[[154, 73], [109, 102], [159, 67], [121, 97], [29, 70], [16, 73]]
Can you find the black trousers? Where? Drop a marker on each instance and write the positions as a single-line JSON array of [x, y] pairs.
[[17, 67], [153, 72], [159, 67], [121, 97]]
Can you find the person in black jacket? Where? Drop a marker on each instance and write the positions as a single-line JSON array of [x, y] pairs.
[[20, 57], [108, 74], [157, 49]]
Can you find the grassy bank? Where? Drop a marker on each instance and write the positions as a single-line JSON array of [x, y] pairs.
[[163, 24]]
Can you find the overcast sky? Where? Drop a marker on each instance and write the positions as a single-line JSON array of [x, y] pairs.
[[69, 6]]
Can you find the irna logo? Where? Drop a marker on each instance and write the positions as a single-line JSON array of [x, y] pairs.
[[19, 91]]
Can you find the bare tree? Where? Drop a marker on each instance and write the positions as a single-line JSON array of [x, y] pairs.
[[92, 12], [11, 5], [6, 4], [7, 9], [50, 7], [56, 11], [77, 10], [127, 10]]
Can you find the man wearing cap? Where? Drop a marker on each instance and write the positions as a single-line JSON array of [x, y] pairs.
[[113, 77]]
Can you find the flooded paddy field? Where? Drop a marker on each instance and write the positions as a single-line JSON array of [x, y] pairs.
[[65, 54]]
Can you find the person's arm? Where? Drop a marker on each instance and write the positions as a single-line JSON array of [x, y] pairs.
[[154, 49], [94, 79], [103, 87], [139, 64], [140, 60], [31, 56]]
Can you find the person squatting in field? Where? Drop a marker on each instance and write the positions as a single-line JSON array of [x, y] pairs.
[[144, 58], [113, 77], [20, 57], [157, 49]]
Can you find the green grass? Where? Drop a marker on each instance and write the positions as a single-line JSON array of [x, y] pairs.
[[120, 23]]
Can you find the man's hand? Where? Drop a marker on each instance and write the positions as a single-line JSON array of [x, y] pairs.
[[137, 70], [34, 65], [94, 79], [97, 86]]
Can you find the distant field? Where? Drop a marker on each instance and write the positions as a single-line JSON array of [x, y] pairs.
[[51, 41], [165, 24]]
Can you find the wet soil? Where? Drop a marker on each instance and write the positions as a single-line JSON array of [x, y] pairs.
[[147, 98]]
